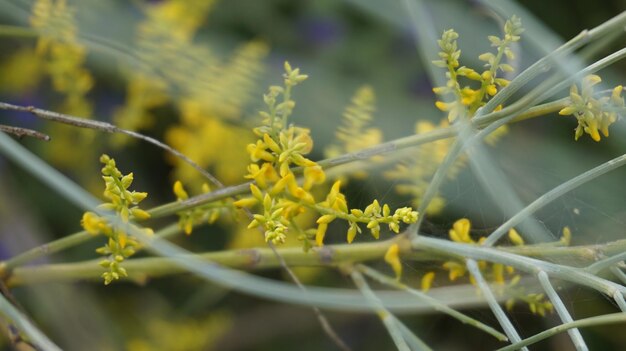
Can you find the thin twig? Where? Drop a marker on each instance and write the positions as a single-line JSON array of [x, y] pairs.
[[434, 303], [17, 318], [553, 194], [506, 324], [619, 274], [263, 258], [388, 319], [606, 262], [619, 299], [560, 308], [22, 132], [107, 128], [586, 322]]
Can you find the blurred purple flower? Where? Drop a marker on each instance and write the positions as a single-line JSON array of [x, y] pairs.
[[320, 31]]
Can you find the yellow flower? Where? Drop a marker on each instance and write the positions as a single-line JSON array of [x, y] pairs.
[[313, 175], [393, 259], [515, 238], [179, 191], [258, 152], [92, 223], [320, 233], [427, 281], [460, 231]]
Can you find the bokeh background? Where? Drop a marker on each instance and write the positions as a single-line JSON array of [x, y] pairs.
[[192, 73]]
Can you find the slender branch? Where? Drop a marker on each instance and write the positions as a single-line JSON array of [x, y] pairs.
[[22, 132], [431, 301], [247, 259], [263, 258], [107, 128], [606, 263], [63, 243], [553, 194], [388, 319], [619, 274], [560, 308], [18, 319], [619, 299], [506, 324], [586, 322]]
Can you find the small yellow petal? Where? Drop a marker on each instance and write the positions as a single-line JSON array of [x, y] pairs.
[[515, 238], [442, 106], [326, 219], [179, 191], [427, 281], [321, 232], [567, 236], [393, 259], [352, 232]]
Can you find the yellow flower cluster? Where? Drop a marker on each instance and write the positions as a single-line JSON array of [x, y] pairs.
[[413, 175], [281, 147], [467, 100], [208, 213], [594, 115], [124, 204]]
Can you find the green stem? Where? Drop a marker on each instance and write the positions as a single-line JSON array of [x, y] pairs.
[[329, 255], [64, 243], [586, 322], [246, 259], [555, 193], [560, 308], [24, 325], [434, 303], [502, 318], [389, 321]]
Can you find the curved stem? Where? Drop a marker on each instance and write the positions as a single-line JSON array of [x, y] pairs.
[[553, 194], [586, 322], [23, 324], [434, 303], [505, 322], [560, 308]]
